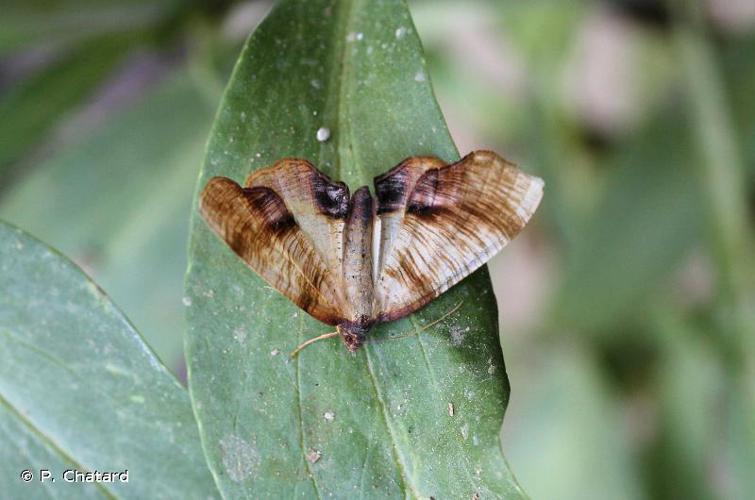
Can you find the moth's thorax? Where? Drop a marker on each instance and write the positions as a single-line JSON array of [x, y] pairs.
[[354, 333]]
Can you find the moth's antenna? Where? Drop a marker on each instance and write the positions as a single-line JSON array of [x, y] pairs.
[[425, 327], [324, 336]]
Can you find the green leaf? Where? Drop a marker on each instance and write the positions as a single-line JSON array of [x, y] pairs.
[[116, 203], [23, 448], [80, 389], [379, 419]]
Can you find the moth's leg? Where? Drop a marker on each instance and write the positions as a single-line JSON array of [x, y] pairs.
[[324, 336], [425, 327], [435, 322]]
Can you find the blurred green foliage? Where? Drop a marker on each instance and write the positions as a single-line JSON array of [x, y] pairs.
[[633, 375]]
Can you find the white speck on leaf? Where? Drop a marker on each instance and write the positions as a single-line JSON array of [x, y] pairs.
[[329, 416], [400, 32], [186, 301], [274, 352], [240, 459], [420, 76], [464, 431], [117, 370], [450, 409], [323, 134], [316, 83]]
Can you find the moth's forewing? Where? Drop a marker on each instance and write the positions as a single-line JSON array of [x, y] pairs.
[[278, 227], [440, 223], [319, 205]]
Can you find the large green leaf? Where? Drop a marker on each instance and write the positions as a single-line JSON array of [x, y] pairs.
[[79, 388], [379, 419]]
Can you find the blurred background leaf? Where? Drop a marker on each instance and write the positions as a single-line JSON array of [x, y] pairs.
[[614, 312]]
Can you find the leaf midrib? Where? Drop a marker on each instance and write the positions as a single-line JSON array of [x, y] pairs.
[[50, 443], [344, 147]]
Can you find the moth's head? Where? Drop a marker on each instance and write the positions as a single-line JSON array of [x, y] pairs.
[[354, 333]]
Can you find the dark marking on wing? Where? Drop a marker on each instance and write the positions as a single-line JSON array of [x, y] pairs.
[[331, 198], [271, 208], [390, 189], [422, 200]]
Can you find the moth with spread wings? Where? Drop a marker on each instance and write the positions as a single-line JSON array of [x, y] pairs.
[[353, 262]]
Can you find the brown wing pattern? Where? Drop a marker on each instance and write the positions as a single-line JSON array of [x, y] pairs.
[[441, 222], [287, 225]]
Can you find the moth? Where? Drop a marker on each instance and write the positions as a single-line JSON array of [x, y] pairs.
[[353, 261]]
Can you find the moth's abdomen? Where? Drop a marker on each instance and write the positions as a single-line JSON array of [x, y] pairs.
[[357, 257]]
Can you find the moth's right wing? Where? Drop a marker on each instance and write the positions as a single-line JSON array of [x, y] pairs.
[[287, 225], [441, 222]]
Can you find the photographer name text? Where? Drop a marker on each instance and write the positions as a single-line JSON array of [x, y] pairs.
[[76, 476]]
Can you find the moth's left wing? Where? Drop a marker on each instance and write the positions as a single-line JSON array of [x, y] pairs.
[[441, 222], [286, 223]]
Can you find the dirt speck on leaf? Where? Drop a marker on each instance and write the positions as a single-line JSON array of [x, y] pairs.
[[464, 430], [457, 335], [491, 367], [239, 334], [240, 459], [313, 456]]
